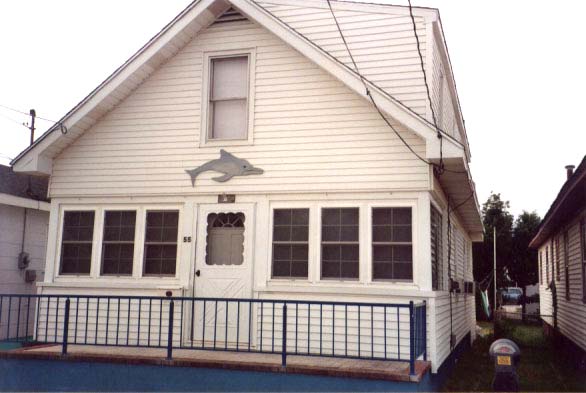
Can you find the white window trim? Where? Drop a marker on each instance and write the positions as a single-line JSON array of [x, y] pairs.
[[57, 267], [310, 244], [139, 243], [205, 139], [101, 242], [365, 244]]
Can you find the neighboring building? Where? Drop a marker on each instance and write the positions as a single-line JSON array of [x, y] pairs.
[[561, 245], [24, 220], [335, 206]]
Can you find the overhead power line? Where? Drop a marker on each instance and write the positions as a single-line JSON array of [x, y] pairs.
[[61, 125]]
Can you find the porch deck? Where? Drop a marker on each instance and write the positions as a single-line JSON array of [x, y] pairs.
[[260, 362]]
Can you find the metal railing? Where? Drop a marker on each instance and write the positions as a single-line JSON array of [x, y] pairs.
[[372, 331]]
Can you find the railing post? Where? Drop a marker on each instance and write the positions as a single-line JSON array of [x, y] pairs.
[[411, 339], [424, 323], [284, 344], [170, 331], [65, 327]]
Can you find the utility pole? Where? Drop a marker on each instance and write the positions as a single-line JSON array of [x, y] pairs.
[[33, 114], [494, 268]]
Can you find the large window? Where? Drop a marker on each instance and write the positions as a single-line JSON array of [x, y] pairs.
[[160, 248], [228, 98], [340, 246], [392, 251], [290, 243], [118, 242], [76, 243], [436, 250]]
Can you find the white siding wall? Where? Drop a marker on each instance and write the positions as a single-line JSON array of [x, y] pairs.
[[441, 96], [383, 45], [11, 277], [311, 133], [571, 314], [460, 318]]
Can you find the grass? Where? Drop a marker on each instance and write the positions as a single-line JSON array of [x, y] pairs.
[[540, 370]]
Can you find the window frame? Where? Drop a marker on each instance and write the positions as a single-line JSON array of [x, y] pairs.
[[104, 242], [372, 245], [58, 259], [206, 121], [272, 244], [357, 242], [177, 242]]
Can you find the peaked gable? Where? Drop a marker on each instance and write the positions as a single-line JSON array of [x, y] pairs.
[[38, 158]]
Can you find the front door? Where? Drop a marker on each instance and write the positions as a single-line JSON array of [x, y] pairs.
[[223, 270]]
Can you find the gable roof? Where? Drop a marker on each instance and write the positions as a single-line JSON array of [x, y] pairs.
[[569, 201], [37, 159], [198, 15]]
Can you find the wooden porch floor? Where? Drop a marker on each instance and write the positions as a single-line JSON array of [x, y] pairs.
[[310, 365]]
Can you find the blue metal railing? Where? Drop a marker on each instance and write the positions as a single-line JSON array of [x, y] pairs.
[[357, 330]]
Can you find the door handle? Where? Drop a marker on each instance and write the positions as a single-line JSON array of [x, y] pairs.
[[197, 273]]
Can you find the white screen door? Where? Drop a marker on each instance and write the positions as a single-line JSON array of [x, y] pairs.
[[223, 270]]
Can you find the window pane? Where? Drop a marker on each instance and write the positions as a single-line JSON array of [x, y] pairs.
[[300, 217], [229, 119], [225, 242], [402, 216], [281, 233], [282, 216], [381, 233], [402, 233], [300, 233], [77, 239], [349, 234], [229, 78]]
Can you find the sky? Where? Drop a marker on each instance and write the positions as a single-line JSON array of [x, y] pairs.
[[519, 67]]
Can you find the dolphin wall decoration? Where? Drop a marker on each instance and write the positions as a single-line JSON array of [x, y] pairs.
[[227, 164]]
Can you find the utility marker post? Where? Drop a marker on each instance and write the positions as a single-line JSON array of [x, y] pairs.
[[494, 269]]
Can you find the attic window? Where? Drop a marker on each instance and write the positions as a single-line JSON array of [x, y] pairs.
[[228, 98]]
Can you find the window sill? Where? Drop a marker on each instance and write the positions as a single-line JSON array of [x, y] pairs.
[[226, 142]]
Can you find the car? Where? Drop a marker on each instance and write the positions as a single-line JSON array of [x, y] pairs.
[[511, 295]]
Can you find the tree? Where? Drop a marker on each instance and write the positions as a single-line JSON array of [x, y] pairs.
[[495, 214], [523, 264]]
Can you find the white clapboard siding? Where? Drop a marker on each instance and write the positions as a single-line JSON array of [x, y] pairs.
[[571, 313], [11, 277], [463, 312], [462, 321], [311, 133], [341, 326], [130, 322], [441, 96], [383, 45]]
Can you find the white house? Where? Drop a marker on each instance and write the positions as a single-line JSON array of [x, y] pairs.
[[561, 245], [331, 202], [24, 221]]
